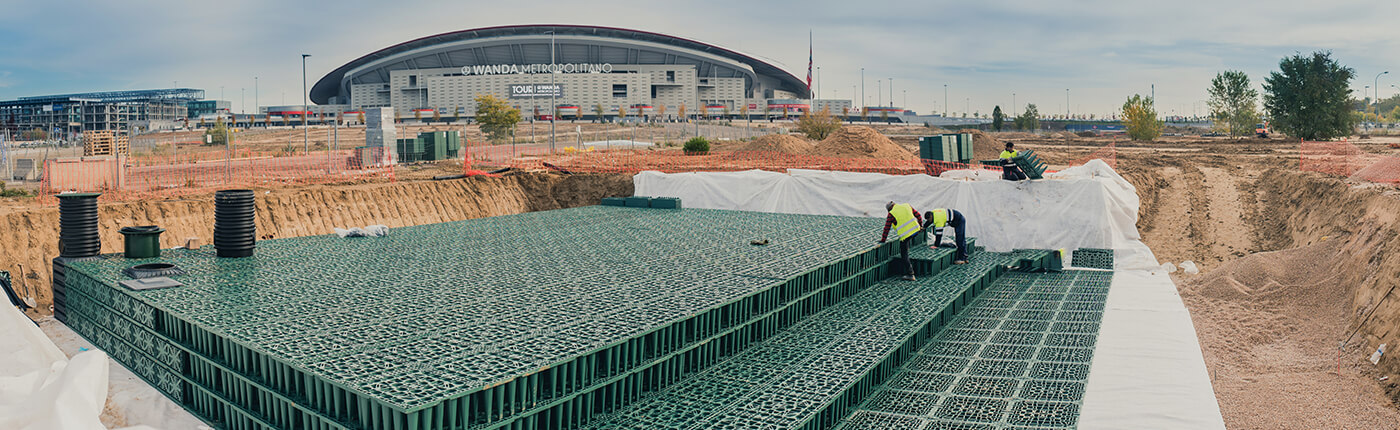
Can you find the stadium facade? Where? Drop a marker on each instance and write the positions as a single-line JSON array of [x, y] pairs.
[[587, 69]]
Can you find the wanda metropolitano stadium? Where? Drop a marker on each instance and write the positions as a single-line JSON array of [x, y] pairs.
[[597, 70]]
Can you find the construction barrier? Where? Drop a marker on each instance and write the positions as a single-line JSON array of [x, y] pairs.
[[1109, 154], [632, 161], [158, 176], [1345, 159]]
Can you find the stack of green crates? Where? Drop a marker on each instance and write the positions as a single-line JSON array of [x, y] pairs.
[[410, 150], [953, 148], [429, 146]]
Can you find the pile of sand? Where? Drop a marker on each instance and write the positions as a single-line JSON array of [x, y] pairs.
[[854, 141], [784, 143]]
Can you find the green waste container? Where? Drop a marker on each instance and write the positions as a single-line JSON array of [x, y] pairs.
[[142, 241]]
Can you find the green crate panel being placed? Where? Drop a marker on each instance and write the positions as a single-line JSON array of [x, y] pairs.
[[1018, 357], [529, 319], [809, 375]]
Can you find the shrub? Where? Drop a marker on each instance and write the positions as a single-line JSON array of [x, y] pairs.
[[697, 145]]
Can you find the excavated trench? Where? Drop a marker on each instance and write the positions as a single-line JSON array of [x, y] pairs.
[[31, 233]]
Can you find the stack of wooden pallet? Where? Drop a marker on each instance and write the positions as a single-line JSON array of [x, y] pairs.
[[104, 142]]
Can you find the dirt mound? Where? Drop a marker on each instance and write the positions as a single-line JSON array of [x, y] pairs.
[[855, 141], [784, 143]]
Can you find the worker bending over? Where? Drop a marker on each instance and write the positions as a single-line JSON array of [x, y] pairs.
[[1009, 170], [906, 222], [936, 219]]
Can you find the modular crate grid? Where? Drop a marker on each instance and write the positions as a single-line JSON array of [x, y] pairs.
[[811, 374], [267, 342], [1017, 358]]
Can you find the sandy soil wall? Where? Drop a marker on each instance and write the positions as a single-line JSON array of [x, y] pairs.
[[30, 235], [1304, 210]]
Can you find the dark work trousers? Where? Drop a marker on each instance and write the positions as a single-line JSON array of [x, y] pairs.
[[959, 225], [1011, 172], [904, 255]]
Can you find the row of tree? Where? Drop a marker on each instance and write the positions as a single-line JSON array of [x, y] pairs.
[[1307, 98]]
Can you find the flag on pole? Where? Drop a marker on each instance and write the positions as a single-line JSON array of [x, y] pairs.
[[809, 61]]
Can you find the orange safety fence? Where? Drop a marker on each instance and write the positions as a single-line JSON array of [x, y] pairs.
[[1345, 159], [1333, 158], [1109, 154], [154, 176], [632, 161]]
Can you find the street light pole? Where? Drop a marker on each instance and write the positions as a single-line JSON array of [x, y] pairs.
[[305, 140], [891, 91], [1376, 84], [862, 89], [255, 94], [554, 106], [1066, 103], [945, 100]]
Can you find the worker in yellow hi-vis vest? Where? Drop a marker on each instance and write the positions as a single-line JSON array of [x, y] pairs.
[[935, 220], [1009, 170], [906, 223]]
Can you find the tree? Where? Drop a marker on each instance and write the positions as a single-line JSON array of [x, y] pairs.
[[819, 125], [1394, 115], [1307, 97], [418, 115], [1140, 118], [726, 111], [744, 110], [598, 112], [360, 116], [218, 135], [865, 113], [884, 115], [437, 115], [681, 111], [621, 112], [497, 118], [997, 118], [1028, 120], [661, 111], [1232, 103]]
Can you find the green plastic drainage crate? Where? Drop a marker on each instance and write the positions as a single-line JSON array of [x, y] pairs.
[[666, 203], [595, 311]]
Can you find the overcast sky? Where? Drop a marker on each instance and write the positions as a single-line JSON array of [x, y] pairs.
[[1101, 51]]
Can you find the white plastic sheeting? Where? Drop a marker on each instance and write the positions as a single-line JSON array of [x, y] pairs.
[[1087, 206], [40, 388], [1148, 371]]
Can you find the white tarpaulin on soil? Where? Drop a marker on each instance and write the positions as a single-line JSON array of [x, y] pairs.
[[1088, 206]]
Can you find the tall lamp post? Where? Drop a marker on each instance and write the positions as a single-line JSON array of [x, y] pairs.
[[1066, 104], [891, 91], [305, 141], [862, 89], [1376, 84], [553, 105], [945, 100]]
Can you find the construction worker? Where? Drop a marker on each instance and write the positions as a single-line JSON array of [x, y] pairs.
[[1009, 170], [906, 222], [936, 219]]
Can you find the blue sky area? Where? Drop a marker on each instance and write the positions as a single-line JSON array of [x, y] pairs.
[[1102, 51]]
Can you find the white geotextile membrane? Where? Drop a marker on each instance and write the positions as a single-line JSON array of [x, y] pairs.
[[40, 388], [1087, 206], [1148, 371]]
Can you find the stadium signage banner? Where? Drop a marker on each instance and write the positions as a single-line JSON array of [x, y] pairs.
[[536, 90], [531, 69]]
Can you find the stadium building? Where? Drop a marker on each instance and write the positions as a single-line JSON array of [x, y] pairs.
[[595, 70]]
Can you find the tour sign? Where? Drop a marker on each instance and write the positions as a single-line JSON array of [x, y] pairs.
[[536, 90], [531, 69]]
